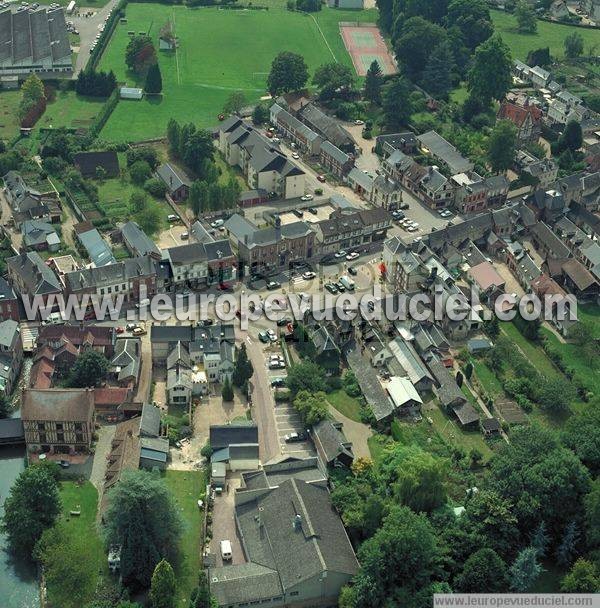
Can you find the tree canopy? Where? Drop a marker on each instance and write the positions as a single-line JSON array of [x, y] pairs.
[[89, 369], [334, 80], [32, 506], [289, 72], [490, 76]]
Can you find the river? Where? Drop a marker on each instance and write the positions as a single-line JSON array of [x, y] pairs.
[[18, 580]]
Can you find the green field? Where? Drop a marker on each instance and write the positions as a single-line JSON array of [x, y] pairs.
[[548, 34], [71, 110], [217, 55], [187, 487], [346, 405]]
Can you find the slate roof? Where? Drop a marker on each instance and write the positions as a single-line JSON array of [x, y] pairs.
[[88, 162], [327, 126], [332, 440], [8, 329], [328, 148], [123, 271], [36, 232], [173, 177], [178, 355], [150, 420], [299, 536], [579, 274], [224, 435], [293, 123], [138, 241], [11, 428], [550, 240], [36, 275], [445, 151], [251, 236], [127, 358]]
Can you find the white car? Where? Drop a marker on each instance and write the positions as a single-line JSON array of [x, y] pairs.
[[307, 197], [359, 122], [340, 254], [352, 256], [295, 155], [415, 224], [217, 223], [273, 337], [412, 228], [308, 275]]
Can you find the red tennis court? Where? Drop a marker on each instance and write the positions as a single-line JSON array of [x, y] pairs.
[[365, 45]]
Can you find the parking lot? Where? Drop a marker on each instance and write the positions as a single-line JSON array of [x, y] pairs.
[[288, 421]]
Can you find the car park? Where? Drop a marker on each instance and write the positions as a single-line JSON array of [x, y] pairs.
[[331, 288]]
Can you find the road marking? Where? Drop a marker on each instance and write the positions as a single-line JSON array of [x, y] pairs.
[[248, 340]]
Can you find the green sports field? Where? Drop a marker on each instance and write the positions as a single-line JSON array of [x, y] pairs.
[[220, 51], [548, 34]]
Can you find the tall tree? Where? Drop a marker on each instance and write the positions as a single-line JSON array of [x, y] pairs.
[[162, 587], [174, 136], [413, 47], [583, 578], [490, 76], [140, 53], [234, 103], [153, 80], [142, 518], [198, 197], [437, 75], [401, 557], [244, 369], [197, 147], [32, 506], [89, 369], [567, 549], [573, 44], [373, 82], [227, 390], [396, 104], [571, 138], [201, 596], [307, 376], [526, 19], [473, 19], [483, 572], [502, 146], [525, 570], [312, 407], [289, 72], [334, 80], [592, 515], [260, 114]]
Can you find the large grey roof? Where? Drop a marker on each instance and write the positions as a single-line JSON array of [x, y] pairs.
[[37, 36], [299, 534], [89, 278], [224, 435], [127, 357], [36, 275], [327, 126], [445, 151], [251, 236], [291, 121], [8, 329], [97, 248], [233, 585], [173, 177], [138, 241], [150, 421], [334, 152], [332, 440]]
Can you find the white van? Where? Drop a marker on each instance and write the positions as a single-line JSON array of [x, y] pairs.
[[347, 282], [226, 550], [143, 303], [54, 318]]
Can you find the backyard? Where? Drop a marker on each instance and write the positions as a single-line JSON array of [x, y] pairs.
[[212, 60], [187, 487], [548, 35]]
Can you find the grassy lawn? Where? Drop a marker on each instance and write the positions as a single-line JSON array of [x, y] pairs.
[[488, 379], [377, 444], [71, 110], [548, 34], [213, 60], [460, 94], [346, 405], [454, 436], [534, 353], [9, 104], [187, 487]]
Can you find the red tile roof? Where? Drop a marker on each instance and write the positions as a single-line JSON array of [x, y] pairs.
[[110, 395], [518, 114]]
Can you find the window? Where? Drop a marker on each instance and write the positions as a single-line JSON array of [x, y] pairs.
[[294, 593]]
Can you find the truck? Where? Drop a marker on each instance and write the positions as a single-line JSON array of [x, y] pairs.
[[71, 7], [347, 282]]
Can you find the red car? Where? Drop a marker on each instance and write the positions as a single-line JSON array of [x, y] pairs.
[[321, 178], [119, 330]]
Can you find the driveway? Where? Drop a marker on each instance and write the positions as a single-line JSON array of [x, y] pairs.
[[88, 29], [223, 524], [368, 160], [356, 433]]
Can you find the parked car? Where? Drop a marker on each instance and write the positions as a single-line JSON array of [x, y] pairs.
[[271, 285], [263, 336], [139, 331], [295, 437], [340, 287], [278, 382], [217, 223], [172, 217], [277, 364], [284, 322], [352, 271], [308, 275], [405, 206], [272, 335], [321, 178], [331, 288], [359, 122], [307, 197], [295, 155], [340, 254], [119, 330], [352, 255]]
